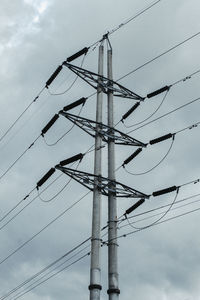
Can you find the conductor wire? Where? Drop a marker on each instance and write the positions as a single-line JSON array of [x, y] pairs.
[[151, 115], [143, 173], [159, 219]]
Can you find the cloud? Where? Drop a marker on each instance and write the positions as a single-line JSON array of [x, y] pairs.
[[160, 263]]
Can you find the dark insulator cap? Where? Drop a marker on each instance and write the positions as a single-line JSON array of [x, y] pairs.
[[53, 76], [49, 124], [157, 92], [71, 159], [77, 54], [165, 191], [75, 104], [130, 110], [45, 177], [132, 156], [161, 138], [134, 206]]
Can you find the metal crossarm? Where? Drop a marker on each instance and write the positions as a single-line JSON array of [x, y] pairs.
[[106, 132], [104, 184], [107, 85]]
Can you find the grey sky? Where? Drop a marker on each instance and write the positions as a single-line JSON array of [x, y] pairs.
[[159, 263]]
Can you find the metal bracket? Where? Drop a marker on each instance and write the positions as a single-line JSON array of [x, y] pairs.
[[107, 133], [105, 185], [106, 84]]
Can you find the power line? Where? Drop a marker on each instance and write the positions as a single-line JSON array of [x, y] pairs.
[[49, 266], [160, 55], [56, 195], [169, 219], [45, 227], [44, 130], [154, 94], [11, 219], [160, 218], [94, 44], [71, 85], [66, 267], [45, 269], [39, 195], [164, 206], [151, 169], [14, 207], [166, 114], [62, 136], [24, 111], [151, 115], [125, 23], [154, 215], [21, 155]]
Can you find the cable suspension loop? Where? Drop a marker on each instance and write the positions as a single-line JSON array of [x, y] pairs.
[[159, 219], [147, 118], [166, 114], [154, 167]]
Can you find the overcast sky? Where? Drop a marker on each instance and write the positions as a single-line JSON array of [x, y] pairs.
[[159, 263]]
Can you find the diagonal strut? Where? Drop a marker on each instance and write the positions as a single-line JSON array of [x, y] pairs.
[[106, 84], [104, 184], [104, 131]]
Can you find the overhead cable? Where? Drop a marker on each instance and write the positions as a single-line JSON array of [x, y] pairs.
[[164, 115], [166, 205], [29, 203], [64, 268], [160, 218], [21, 155], [157, 214], [151, 169], [153, 94], [110, 32], [45, 227], [44, 269], [160, 222], [147, 118], [160, 55]]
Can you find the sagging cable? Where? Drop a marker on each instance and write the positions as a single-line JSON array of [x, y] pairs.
[[75, 104], [132, 156], [145, 172], [72, 159], [50, 124], [129, 112], [159, 91], [45, 177], [161, 138], [77, 54], [134, 206], [53, 76], [165, 191]]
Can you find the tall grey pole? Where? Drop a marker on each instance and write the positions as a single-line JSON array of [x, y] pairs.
[[113, 289], [95, 270]]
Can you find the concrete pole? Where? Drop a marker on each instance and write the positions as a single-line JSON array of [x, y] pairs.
[[95, 270], [113, 289]]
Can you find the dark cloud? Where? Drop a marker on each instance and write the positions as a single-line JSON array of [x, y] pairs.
[[36, 36]]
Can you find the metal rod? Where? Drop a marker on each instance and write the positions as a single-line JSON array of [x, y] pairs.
[[95, 269], [113, 289]]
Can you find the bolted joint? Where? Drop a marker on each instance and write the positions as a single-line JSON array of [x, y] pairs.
[[113, 291], [95, 287]]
